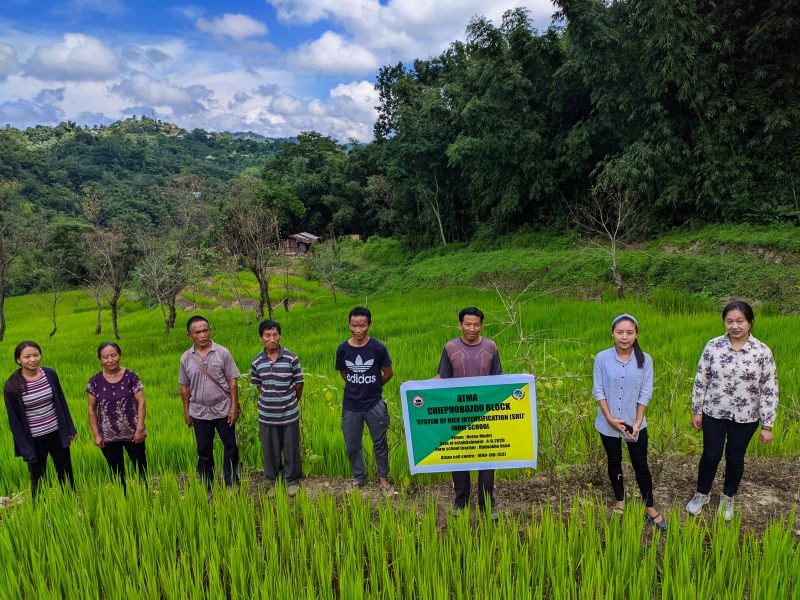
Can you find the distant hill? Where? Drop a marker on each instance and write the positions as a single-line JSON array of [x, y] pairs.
[[124, 163]]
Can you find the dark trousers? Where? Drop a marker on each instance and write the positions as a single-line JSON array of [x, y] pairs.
[[377, 420], [280, 447], [204, 434], [113, 452], [715, 432], [50, 444], [638, 454], [461, 486]]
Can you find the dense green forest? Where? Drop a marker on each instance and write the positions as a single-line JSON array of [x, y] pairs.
[[623, 120]]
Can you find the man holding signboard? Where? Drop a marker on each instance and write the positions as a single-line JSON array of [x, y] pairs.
[[471, 355]]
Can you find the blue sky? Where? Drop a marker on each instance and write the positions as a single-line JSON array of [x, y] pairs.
[[276, 67]]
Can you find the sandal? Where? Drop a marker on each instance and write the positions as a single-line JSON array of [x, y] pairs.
[[617, 511], [658, 521]]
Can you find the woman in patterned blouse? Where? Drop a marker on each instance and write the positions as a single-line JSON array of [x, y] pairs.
[[39, 417], [116, 412], [736, 387]]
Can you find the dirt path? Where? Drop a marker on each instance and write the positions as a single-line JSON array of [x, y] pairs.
[[770, 490]]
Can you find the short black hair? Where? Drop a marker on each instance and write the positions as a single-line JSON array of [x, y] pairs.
[[194, 319], [360, 311], [473, 311], [268, 324], [105, 345], [746, 309]]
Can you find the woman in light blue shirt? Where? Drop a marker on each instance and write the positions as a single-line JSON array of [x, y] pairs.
[[623, 385]]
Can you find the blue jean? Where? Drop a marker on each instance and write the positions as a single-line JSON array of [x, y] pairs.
[[377, 420]]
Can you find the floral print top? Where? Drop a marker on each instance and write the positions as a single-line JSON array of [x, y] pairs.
[[737, 385], [116, 405]]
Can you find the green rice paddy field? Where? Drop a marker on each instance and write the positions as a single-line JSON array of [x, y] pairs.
[[168, 541]]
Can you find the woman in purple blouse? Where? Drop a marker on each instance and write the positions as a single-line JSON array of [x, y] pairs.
[[116, 412]]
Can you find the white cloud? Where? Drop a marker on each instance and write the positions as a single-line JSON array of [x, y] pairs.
[[287, 105], [88, 119], [143, 89], [267, 89], [333, 54], [404, 29], [8, 60], [77, 57], [144, 56], [42, 109], [234, 26]]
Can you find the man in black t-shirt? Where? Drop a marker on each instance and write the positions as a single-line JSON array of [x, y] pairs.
[[365, 366]]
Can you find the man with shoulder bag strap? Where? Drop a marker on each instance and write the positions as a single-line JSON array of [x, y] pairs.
[[210, 396]]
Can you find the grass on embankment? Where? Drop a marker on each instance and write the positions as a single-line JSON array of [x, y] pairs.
[[697, 269]]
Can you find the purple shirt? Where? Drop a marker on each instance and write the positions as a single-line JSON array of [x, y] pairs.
[[116, 405], [459, 359]]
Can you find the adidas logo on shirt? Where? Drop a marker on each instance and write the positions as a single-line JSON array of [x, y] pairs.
[[358, 368]]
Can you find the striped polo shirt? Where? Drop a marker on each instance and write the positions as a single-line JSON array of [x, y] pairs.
[[39, 408], [277, 401]]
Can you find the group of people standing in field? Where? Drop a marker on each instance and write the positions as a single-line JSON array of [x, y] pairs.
[[735, 391]]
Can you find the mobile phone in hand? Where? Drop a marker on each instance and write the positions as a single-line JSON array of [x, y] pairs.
[[629, 433]]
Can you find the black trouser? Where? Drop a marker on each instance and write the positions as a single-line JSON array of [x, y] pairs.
[[204, 434], [50, 444], [461, 486], [738, 435], [638, 454], [116, 460], [280, 447]]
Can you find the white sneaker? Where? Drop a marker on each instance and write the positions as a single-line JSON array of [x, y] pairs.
[[726, 507], [697, 503]]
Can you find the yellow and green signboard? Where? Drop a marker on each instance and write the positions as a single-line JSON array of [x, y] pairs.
[[469, 423]]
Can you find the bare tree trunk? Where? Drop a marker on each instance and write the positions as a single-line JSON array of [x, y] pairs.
[[172, 313], [263, 294], [617, 276], [114, 311], [438, 215], [99, 327], [164, 317], [98, 301], [438, 212], [266, 297], [2, 315], [54, 306], [286, 297]]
